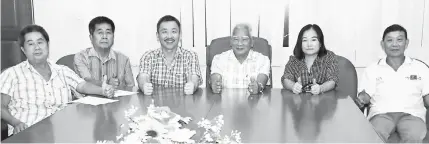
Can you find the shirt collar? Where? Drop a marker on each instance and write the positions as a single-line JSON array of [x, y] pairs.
[[94, 53], [54, 68], [179, 52], [250, 56], [407, 61]]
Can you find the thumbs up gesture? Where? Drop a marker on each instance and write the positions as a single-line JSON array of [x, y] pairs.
[[147, 86], [253, 86], [216, 83], [108, 90], [114, 81], [315, 88], [297, 87], [189, 86]]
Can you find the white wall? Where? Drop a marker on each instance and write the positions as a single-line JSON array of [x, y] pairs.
[[352, 28]]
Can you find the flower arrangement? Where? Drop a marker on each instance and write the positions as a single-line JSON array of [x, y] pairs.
[[160, 125], [213, 129]]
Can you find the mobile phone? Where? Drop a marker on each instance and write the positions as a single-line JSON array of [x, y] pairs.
[[307, 87]]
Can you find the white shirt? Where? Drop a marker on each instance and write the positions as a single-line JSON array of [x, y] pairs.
[[396, 91], [237, 75], [32, 97]]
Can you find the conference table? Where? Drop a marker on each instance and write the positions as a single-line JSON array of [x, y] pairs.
[[276, 115]]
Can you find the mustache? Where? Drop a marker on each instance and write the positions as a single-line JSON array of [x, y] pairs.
[[169, 39]]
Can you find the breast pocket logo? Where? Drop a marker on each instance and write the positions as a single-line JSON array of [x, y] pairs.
[[414, 77]]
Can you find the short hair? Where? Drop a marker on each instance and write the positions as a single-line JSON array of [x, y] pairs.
[[297, 51], [167, 18], [392, 28], [29, 29], [244, 26], [100, 20]]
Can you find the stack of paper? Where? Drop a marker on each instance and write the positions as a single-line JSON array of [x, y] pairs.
[[94, 100], [119, 93]]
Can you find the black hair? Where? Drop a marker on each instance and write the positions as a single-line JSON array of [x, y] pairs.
[[167, 18], [29, 29], [100, 20], [297, 51]]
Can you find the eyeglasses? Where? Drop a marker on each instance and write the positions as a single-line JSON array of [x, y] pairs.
[[243, 39]]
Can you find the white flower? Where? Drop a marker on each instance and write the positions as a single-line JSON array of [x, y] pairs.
[[181, 135]]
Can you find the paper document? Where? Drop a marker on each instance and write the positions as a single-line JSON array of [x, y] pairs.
[[94, 100], [119, 93]]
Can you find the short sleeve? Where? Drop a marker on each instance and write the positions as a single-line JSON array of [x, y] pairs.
[[195, 66], [425, 78], [72, 79], [367, 81], [81, 66], [146, 63], [264, 67], [129, 80], [216, 65], [291, 69], [8, 81], [332, 68]]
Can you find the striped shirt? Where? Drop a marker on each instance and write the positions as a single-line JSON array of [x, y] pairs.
[[237, 75], [32, 97], [323, 69], [88, 64], [185, 63]]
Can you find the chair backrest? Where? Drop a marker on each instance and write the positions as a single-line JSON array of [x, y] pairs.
[[222, 44], [67, 60], [347, 84]]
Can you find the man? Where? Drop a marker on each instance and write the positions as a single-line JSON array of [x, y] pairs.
[[170, 65], [396, 87], [36, 88], [240, 67], [99, 60]]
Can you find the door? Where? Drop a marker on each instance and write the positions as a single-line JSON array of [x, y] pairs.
[[15, 14]]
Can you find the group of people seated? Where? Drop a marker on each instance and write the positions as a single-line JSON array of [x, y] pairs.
[[395, 87]]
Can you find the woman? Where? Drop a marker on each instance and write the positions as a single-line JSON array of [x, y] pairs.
[[312, 68]]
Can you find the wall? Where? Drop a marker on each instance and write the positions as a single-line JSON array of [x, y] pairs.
[[352, 28]]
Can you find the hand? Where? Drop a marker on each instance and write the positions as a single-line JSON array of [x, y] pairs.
[[297, 87], [189, 88], [114, 82], [217, 84], [315, 88], [108, 90], [362, 99], [19, 127], [253, 86], [147, 88]]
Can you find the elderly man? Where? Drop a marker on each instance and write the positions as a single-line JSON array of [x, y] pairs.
[[36, 88], [396, 88], [99, 60], [170, 65], [240, 67]]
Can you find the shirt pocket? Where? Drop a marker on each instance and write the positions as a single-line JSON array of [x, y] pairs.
[[180, 79], [61, 92]]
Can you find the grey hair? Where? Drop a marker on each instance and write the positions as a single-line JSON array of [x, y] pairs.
[[243, 26]]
